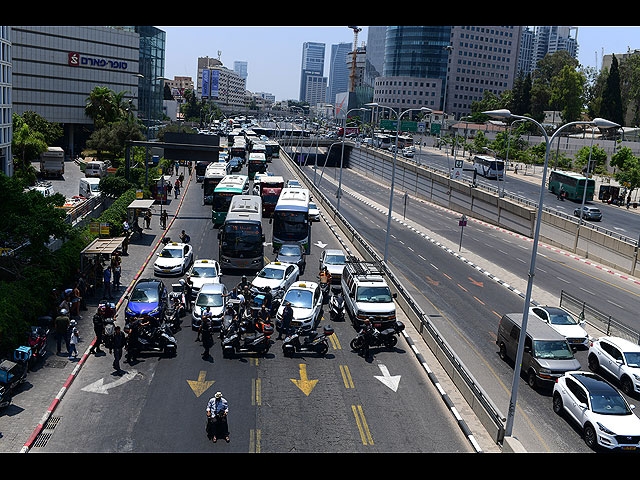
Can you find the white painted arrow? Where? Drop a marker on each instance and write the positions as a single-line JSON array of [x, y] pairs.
[[320, 244], [99, 386], [391, 381]]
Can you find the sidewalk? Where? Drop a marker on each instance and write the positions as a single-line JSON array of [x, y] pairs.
[[35, 402]]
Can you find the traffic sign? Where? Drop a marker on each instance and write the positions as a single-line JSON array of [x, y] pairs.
[[457, 169]]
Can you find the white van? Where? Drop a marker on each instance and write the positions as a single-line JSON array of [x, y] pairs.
[[89, 187], [95, 169]]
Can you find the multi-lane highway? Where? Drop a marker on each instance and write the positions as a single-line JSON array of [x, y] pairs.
[[466, 305], [306, 403]]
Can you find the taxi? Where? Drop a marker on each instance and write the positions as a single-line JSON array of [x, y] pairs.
[[202, 271], [277, 275], [306, 302], [173, 259]]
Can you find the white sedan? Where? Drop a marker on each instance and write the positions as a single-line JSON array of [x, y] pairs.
[[173, 259], [314, 213], [604, 416], [276, 275], [564, 323], [201, 272], [306, 302]]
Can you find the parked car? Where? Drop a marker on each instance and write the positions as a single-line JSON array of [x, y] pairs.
[[149, 296], [605, 417], [589, 213], [174, 258], [619, 358], [564, 323]]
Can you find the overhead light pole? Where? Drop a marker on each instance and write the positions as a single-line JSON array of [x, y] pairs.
[[393, 170], [506, 114]]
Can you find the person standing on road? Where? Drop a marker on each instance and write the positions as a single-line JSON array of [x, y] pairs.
[[287, 316], [119, 341], [164, 216], [206, 335], [217, 412]]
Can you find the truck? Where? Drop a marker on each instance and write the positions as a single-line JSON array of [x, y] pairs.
[[52, 162]]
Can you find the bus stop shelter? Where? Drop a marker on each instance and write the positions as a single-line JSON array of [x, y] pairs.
[[136, 209], [90, 257]]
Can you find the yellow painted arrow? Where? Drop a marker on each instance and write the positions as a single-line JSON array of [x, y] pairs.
[[304, 383], [201, 385]]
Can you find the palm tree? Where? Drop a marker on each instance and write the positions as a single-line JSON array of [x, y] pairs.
[[101, 106]]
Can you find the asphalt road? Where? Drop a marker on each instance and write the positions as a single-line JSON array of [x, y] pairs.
[[159, 405], [466, 306]]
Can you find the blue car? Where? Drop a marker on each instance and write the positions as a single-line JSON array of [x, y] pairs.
[[149, 296]]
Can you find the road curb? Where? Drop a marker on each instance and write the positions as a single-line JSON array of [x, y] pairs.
[[58, 398]]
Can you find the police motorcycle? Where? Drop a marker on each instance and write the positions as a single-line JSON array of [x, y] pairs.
[[13, 373], [232, 312], [154, 338], [241, 336], [376, 338], [177, 305], [313, 341], [336, 305]]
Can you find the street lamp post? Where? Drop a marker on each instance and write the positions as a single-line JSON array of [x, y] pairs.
[[506, 114], [393, 170]]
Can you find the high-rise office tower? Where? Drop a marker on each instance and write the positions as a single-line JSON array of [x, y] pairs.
[[312, 65], [240, 67], [338, 71]]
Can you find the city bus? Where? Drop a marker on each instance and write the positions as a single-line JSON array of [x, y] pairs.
[[273, 149], [381, 140], [257, 164], [270, 188], [201, 168], [291, 219], [229, 186], [214, 173], [239, 149], [572, 184], [489, 167], [240, 239], [404, 141]]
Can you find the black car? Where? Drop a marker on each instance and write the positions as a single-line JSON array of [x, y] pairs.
[[235, 164], [292, 253], [149, 296]]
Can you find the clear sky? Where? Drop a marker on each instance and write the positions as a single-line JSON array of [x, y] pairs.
[[274, 54]]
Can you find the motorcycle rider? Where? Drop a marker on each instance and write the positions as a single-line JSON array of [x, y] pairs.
[[243, 283], [207, 315], [217, 412], [368, 331]]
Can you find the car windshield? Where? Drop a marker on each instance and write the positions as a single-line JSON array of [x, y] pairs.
[[204, 272], [271, 273], [145, 294], [632, 359], [171, 253], [290, 250], [312, 206], [552, 350], [209, 300], [373, 294], [609, 404], [299, 298], [334, 260], [562, 318]]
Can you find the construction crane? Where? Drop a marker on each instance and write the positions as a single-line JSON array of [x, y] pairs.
[[352, 75]]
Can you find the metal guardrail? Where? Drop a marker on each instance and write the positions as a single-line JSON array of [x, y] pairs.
[[598, 319], [475, 389]]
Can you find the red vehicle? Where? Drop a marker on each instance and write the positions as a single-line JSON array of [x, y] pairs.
[[270, 188]]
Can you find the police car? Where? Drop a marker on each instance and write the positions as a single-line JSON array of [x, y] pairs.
[[173, 259], [201, 272], [277, 275], [306, 302]]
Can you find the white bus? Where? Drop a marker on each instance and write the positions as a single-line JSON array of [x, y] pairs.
[[489, 167], [240, 239], [214, 173], [382, 140], [291, 219], [229, 186]]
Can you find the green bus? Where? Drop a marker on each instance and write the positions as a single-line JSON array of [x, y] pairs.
[[572, 183], [257, 164], [229, 186]]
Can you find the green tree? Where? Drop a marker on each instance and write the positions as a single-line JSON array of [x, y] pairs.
[[566, 93], [26, 146], [629, 168], [630, 87], [51, 131], [598, 159], [102, 106], [611, 107]]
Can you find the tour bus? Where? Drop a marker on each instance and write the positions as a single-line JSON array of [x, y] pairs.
[[382, 140], [489, 167], [257, 164], [214, 173], [270, 189], [572, 183], [291, 219], [240, 239], [229, 186]]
